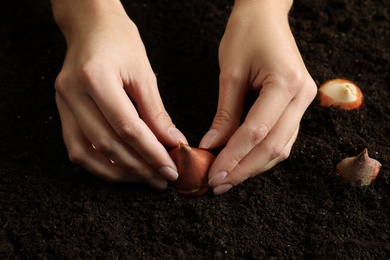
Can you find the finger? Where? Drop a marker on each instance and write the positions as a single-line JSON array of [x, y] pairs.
[[113, 167], [251, 134], [153, 112], [82, 153], [115, 107], [233, 87], [222, 188], [273, 149], [261, 118], [284, 155]]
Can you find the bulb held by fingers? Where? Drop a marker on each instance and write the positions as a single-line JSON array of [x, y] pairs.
[[359, 168], [340, 93], [193, 165]]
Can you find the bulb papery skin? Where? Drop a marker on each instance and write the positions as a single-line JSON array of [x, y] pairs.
[[193, 166], [340, 93], [360, 168]]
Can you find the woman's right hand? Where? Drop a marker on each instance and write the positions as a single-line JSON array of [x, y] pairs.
[[105, 63]]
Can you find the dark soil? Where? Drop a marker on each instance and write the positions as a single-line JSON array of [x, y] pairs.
[[50, 208]]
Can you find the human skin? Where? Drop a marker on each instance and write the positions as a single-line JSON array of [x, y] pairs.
[[105, 64], [257, 52]]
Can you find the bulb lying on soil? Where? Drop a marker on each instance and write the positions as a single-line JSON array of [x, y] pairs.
[[193, 165], [341, 93], [359, 168]]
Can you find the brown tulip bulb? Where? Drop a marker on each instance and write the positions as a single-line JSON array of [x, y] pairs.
[[193, 165], [359, 168]]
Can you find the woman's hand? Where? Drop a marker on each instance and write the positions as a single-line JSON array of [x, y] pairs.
[[105, 63], [258, 52]]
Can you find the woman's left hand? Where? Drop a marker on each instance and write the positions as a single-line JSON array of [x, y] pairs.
[[257, 51]]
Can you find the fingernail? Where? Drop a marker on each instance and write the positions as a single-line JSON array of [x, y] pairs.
[[168, 173], [208, 139], [222, 189], [217, 178], [177, 135], [158, 183]]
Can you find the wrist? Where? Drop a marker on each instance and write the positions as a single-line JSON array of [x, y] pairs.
[[73, 15], [282, 6]]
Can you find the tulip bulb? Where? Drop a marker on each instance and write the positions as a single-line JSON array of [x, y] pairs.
[[193, 165], [340, 93], [359, 168]]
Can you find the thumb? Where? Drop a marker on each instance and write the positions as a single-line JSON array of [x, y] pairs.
[[232, 91]]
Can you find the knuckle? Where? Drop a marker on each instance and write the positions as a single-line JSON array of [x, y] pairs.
[[243, 176], [160, 114], [147, 80], [90, 74], [61, 83], [293, 75], [130, 175], [128, 130], [257, 133], [276, 151], [231, 77], [236, 160], [286, 152], [222, 117], [104, 145], [294, 81], [291, 79], [284, 155], [113, 178], [150, 79], [311, 90], [89, 69], [77, 154]]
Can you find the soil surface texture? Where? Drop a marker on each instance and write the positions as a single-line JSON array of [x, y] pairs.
[[53, 209]]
